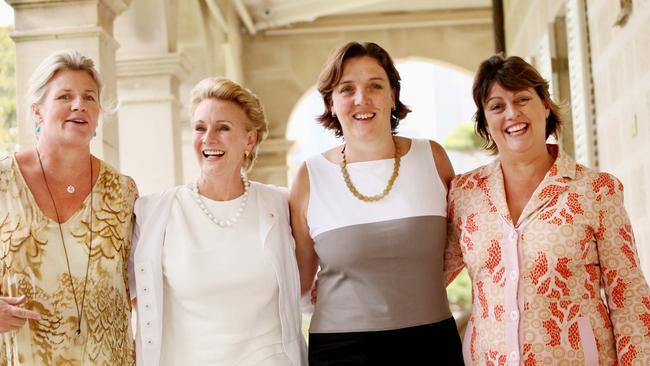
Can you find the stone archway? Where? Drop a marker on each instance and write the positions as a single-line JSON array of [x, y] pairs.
[[282, 68]]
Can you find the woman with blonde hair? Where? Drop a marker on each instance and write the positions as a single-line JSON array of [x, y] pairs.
[[65, 231], [215, 274]]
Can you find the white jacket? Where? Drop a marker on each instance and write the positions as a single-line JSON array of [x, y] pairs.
[[146, 279]]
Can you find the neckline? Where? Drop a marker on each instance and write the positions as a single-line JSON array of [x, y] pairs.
[[50, 221], [367, 162], [188, 190]]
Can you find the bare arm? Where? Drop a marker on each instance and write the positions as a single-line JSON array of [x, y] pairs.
[[443, 165], [453, 262], [305, 253]]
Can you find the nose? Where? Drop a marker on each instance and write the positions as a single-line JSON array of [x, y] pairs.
[[78, 104], [511, 111], [209, 136], [361, 97]]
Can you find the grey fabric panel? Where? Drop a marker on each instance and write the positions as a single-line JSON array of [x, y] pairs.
[[381, 275]]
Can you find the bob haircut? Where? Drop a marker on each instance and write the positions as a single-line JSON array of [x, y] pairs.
[[514, 74], [333, 71]]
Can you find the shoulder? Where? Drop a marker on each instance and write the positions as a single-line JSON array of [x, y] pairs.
[[602, 184], [333, 155], [443, 165], [147, 202], [271, 191], [469, 180], [6, 163], [113, 179]]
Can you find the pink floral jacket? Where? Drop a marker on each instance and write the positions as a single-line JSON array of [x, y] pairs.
[[538, 286]]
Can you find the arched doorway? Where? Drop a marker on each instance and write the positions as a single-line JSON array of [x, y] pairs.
[[438, 93]]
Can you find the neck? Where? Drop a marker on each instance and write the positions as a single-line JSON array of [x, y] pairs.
[[367, 150], [529, 166], [67, 162], [219, 187]]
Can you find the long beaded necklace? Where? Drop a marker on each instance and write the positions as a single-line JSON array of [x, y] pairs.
[[210, 215], [65, 250], [389, 185]]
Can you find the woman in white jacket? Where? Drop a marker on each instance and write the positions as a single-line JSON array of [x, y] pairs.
[[214, 270]]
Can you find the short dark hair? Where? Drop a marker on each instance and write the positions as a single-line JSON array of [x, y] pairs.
[[514, 74], [333, 71]]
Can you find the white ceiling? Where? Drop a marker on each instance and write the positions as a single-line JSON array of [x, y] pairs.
[[268, 14]]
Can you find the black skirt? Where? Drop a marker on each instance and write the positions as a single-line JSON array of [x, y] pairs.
[[430, 344]]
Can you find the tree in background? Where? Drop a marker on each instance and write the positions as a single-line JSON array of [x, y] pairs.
[[463, 139], [8, 128]]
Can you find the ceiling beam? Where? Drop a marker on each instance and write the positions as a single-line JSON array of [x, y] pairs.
[[217, 14], [359, 22], [245, 16], [306, 11]]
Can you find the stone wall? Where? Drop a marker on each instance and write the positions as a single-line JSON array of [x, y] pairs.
[[620, 75]]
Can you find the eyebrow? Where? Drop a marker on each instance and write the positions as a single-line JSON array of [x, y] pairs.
[[372, 79], [67, 90], [489, 99], [217, 121]]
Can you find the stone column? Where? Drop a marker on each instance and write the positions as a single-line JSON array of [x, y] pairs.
[[149, 72], [45, 26], [271, 165], [150, 131]]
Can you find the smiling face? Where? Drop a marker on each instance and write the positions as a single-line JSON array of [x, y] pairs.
[[69, 109], [516, 120], [220, 137], [363, 99]]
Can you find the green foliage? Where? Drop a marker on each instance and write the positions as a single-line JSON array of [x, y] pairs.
[[463, 139], [8, 129], [459, 292]]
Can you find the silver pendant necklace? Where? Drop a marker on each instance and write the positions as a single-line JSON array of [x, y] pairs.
[[70, 189], [78, 339]]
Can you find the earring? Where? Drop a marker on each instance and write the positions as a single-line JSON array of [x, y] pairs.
[[38, 129], [94, 133], [333, 114], [246, 153]]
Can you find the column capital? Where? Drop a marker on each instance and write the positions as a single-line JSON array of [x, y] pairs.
[[116, 6], [176, 64]]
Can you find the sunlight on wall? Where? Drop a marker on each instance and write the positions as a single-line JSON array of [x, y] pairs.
[[439, 95], [6, 14]]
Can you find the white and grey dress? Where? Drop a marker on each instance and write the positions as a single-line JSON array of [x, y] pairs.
[[381, 263]]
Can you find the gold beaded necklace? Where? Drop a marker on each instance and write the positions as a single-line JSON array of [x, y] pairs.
[[389, 185]]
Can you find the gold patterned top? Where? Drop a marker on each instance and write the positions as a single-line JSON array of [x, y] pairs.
[[33, 263]]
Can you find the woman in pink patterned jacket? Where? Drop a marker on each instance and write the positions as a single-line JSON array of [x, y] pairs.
[[543, 238]]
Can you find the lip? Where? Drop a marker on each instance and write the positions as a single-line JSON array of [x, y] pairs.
[[364, 116], [77, 120], [523, 128], [213, 154]]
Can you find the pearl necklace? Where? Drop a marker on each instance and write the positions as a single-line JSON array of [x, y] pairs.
[[223, 223]]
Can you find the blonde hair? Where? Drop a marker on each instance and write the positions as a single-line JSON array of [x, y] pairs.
[[225, 89], [70, 60]]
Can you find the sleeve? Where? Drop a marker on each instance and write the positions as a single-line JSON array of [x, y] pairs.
[[626, 290], [134, 243], [453, 262]]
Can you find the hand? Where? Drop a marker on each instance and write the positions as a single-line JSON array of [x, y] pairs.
[[12, 316], [314, 293]]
